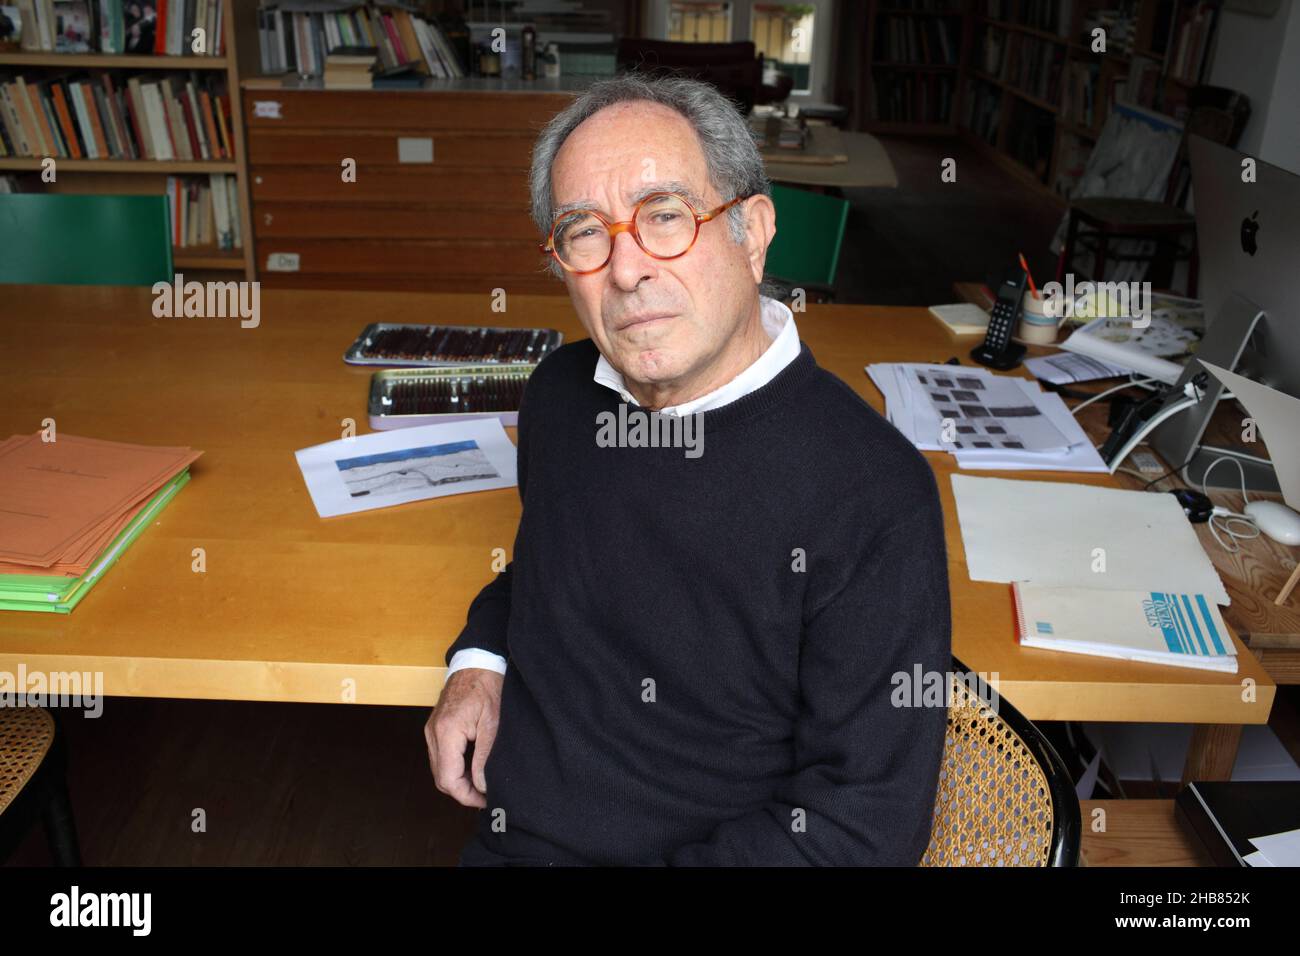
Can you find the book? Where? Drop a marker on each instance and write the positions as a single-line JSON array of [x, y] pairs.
[[11, 24], [73, 25], [1154, 627], [140, 23]]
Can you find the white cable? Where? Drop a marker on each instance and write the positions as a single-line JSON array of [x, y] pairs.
[[1236, 536], [1100, 395], [1205, 476], [1133, 442], [1226, 516]]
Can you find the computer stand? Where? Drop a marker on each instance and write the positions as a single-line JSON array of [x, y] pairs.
[[1179, 439]]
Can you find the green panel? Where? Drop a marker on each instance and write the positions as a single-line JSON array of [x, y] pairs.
[[809, 234], [49, 239]]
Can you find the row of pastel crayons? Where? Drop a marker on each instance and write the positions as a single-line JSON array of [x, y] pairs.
[[438, 343], [446, 395]]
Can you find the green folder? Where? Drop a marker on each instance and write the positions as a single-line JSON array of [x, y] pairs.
[[59, 593]]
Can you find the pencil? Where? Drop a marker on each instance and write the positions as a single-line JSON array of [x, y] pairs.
[[1030, 276]]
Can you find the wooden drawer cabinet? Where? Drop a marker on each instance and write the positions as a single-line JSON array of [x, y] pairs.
[[440, 198]]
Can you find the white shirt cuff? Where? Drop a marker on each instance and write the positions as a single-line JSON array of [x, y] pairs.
[[475, 657]]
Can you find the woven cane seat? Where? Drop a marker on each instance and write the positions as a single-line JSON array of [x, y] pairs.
[[993, 806], [26, 735]]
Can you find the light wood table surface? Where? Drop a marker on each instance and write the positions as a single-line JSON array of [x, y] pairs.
[[868, 165], [292, 607]]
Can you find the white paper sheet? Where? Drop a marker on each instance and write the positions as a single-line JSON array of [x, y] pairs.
[[407, 464], [1278, 417], [1279, 849], [1048, 532]]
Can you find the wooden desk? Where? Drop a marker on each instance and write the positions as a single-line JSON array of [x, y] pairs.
[[868, 165], [292, 606]]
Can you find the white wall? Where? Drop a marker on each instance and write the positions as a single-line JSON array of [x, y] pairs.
[[1280, 144], [1260, 56]]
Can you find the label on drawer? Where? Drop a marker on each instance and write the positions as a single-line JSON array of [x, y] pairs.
[[266, 109], [415, 149], [282, 262]]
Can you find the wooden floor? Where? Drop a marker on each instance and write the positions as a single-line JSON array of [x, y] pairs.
[[322, 784], [280, 784], [907, 246], [1136, 833]]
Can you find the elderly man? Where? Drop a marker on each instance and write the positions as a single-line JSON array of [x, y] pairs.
[[690, 659]]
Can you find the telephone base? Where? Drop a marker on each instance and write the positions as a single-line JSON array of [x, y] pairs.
[[1008, 358]]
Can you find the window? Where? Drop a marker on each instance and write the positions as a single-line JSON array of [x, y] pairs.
[[783, 33], [793, 37], [699, 22]]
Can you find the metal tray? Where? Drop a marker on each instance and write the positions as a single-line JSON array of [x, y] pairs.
[[531, 347], [469, 391]]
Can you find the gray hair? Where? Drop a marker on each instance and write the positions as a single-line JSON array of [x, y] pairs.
[[733, 160]]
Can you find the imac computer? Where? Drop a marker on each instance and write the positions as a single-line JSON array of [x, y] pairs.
[[1248, 234]]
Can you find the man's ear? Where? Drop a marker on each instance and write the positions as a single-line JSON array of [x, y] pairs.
[[760, 228]]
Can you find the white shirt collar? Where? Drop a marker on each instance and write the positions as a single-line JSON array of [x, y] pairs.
[[778, 323]]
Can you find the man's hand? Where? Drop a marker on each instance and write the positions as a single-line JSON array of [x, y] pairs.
[[469, 710]]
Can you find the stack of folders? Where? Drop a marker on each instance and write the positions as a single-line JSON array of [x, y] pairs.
[[70, 507], [1185, 630], [985, 420]]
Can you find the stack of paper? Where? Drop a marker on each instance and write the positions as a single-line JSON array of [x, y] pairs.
[[986, 421], [1065, 368], [962, 318], [71, 507]]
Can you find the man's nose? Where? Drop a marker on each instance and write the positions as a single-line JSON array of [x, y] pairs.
[[629, 263]]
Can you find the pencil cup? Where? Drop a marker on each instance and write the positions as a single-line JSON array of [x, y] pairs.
[[1036, 326]]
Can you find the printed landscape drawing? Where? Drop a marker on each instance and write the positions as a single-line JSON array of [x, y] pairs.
[[413, 469]]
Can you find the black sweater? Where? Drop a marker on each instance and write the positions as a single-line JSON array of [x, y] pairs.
[[703, 651]]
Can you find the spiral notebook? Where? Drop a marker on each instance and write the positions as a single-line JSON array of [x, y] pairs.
[[1156, 627]]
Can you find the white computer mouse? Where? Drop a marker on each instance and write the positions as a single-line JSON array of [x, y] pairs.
[[1276, 520]]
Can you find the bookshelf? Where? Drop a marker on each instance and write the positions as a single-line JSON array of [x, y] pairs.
[[1036, 96], [149, 176], [915, 58]]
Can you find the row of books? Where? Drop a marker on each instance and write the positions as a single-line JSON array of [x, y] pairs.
[[103, 118], [928, 6], [298, 41], [984, 112], [1119, 24], [914, 97], [205, 212], [1034, 66], [1081, 94], [1053, 16], [909, 39], [1189, 41], [138, 27]]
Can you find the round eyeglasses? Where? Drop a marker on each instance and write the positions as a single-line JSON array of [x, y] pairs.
[[664, 225]]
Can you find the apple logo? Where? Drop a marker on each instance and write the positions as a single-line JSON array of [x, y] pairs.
[[1249, 227]]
